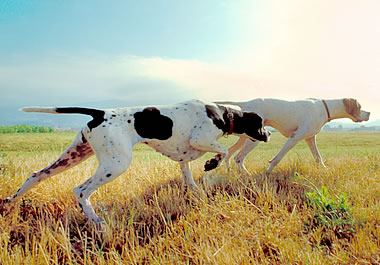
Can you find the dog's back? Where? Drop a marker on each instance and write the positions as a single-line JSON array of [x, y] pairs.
[[283, 115]]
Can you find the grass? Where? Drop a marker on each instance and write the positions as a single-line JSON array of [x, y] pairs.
[[299, 214]]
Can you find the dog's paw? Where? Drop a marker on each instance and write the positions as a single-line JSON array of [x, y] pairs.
[[211, 164], [214, 162]]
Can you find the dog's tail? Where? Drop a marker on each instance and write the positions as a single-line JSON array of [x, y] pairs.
[[97, 115], [65, 110]]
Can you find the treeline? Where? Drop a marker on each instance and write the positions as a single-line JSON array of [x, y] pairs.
[[25, 129]]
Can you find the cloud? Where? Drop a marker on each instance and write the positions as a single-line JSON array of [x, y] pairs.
[[296, 49], [63, 79]]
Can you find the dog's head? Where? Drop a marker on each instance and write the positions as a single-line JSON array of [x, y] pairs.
[[252, 125], [354, 111]]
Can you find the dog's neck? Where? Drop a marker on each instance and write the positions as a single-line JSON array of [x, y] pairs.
[[336, 109]]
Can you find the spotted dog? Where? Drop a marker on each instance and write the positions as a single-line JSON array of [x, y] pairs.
[[182, 132], [296, 120]]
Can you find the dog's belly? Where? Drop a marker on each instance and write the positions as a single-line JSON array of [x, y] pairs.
[[284, 128], [178, 152]]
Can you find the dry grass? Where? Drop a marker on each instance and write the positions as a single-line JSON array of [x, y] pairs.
[[263, 219]]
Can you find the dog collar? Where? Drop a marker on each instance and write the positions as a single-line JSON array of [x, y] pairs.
[[327, 110], [230, 117]]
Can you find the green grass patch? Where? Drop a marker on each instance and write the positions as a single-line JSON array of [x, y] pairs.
[[332, 216]]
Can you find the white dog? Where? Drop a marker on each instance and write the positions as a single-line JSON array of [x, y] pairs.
[[297, 120], [182, 132]]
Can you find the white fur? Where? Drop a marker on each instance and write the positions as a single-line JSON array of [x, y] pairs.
[[297, 120], [39, 109]]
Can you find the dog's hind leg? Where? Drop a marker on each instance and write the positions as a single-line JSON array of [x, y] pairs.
[[77, 152], [113, 161], [240, 157]]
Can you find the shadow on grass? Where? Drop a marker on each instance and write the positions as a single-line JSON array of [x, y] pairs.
[[138, 221]]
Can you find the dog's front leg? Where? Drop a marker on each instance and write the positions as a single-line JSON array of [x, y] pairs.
[[213, 146], [312, 143], [239, 144], [187, 175], [214, 162]]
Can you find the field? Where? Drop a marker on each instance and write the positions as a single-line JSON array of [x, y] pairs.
[[299, 214]]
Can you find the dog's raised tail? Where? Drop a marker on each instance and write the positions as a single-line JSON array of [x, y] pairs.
[[97, 115]]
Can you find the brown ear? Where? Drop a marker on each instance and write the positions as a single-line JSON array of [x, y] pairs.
[[352, 106]]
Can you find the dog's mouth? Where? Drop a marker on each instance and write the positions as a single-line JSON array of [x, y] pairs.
[[362, 117]]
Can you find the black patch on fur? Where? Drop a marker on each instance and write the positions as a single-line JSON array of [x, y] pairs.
[[212, 163], [252, 125], [60, 163], [248, 123], [97, 115], [149, 123], [219, 116], [216, 115], [46, 171]]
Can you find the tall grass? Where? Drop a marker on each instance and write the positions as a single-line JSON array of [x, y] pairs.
[[259, 219]]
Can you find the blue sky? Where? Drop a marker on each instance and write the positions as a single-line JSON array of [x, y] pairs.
[[71, 52], [166, 28]]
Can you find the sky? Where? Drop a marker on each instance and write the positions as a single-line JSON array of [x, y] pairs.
[[164, 51]]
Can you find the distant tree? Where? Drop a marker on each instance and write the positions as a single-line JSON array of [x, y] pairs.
[[23, 128]]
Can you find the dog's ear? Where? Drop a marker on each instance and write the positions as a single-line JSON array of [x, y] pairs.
[[253, 126], [352, 107], [149, 123]]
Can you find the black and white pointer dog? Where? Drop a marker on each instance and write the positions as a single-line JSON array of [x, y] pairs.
[[182, 132]]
